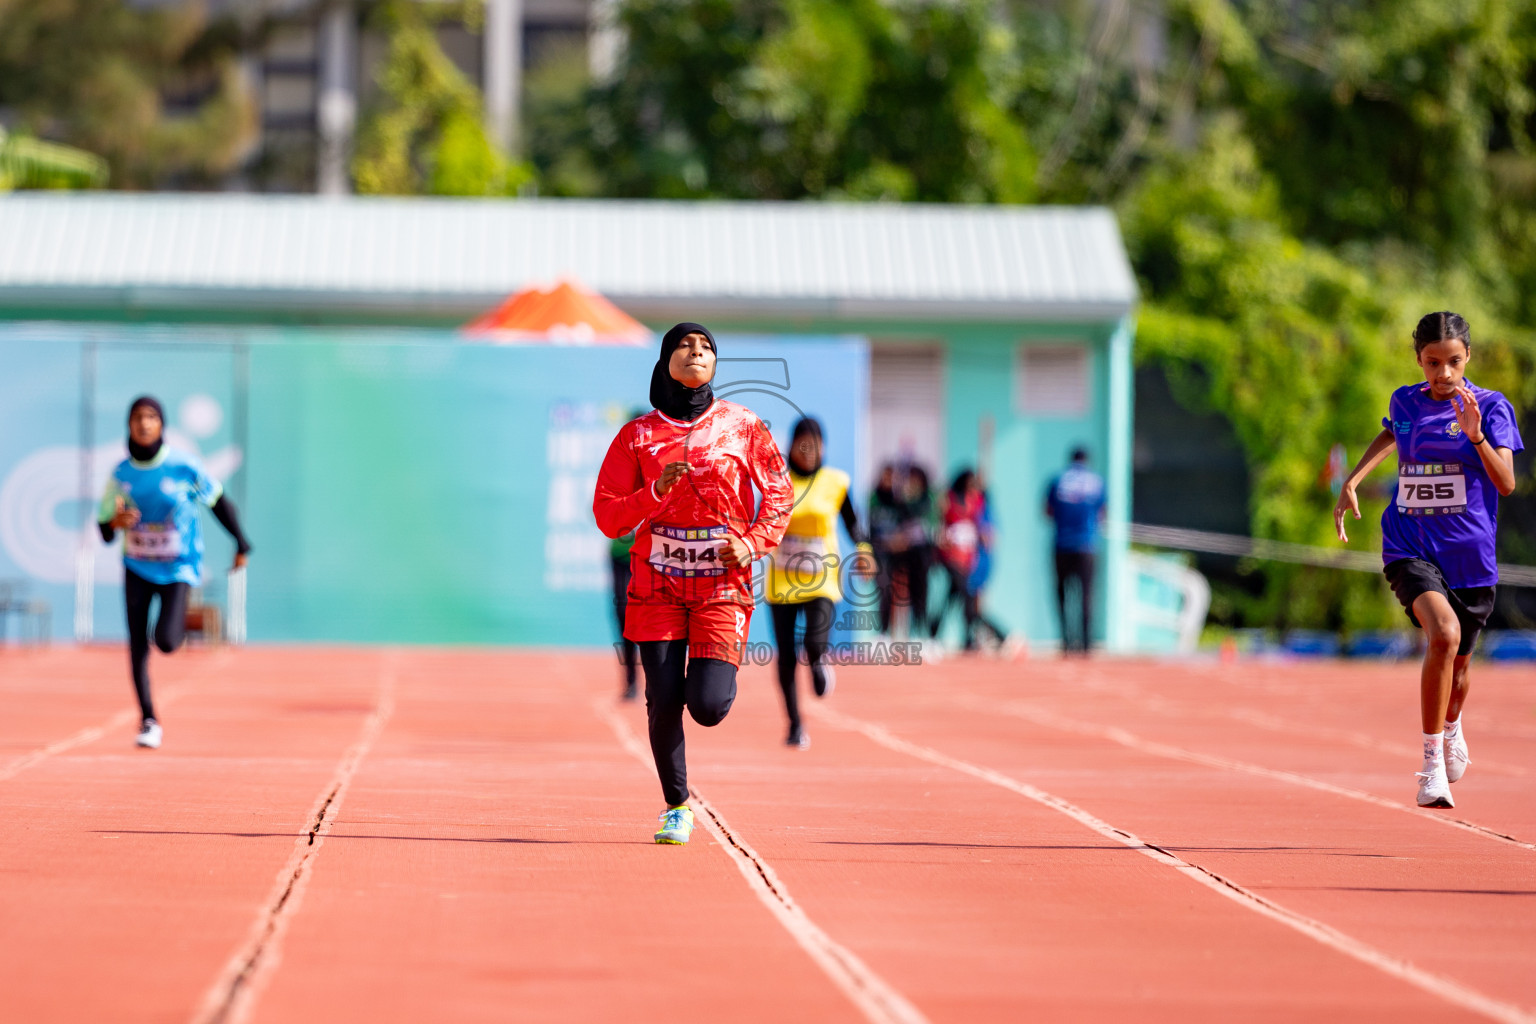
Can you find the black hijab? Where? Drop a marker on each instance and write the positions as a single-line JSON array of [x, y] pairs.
[[139, 452], [670, 396], [805, 425]]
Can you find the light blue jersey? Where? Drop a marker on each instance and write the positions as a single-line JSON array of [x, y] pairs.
[[167, 544]]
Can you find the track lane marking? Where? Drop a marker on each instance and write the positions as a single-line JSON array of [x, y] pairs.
[[1130, 740], [1274, 723], [89, 734], [876, 999], [232, 996], [1437, 985]]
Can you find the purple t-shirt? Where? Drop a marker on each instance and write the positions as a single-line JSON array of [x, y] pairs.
[[1445, 509]]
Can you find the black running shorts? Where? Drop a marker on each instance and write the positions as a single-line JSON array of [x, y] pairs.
[[1411, 577]]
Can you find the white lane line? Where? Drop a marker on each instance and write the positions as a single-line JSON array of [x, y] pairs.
[[232, 996], [1124, 738], [1274, 723], [90, 734], [1445, 988], [875, 998]]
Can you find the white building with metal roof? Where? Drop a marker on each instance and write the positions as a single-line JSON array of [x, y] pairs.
[[449, 258]]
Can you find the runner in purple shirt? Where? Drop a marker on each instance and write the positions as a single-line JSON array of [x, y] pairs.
[[1455, 447]]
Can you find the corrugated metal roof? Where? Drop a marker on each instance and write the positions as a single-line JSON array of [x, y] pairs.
[[837, 260]]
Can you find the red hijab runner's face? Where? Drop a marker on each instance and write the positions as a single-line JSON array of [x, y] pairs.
[[693, 361]]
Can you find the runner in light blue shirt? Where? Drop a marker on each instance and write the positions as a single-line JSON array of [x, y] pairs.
[[153, 497]]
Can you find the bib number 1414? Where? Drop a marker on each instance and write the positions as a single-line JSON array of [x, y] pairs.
[[688, 551]]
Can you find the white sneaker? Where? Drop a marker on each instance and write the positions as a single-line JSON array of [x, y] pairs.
[[1434, 789], [1456, 759], [149, 734]]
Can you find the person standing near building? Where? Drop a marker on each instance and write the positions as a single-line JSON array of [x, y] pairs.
[[1075, 504], [153, 497], [964, 549]]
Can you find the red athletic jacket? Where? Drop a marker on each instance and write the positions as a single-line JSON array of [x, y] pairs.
[[678, 537]]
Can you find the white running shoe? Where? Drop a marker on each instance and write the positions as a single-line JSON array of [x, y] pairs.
[[1434, 789], [1456, 758], [826, 684], [149, 734]]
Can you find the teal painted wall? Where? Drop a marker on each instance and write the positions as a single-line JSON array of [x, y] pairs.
[[398, 486]]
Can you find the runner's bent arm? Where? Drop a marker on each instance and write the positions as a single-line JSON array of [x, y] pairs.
[[851, 522], [1499, 462], [1383, 443], [114, 513], [765, 463], [229, 517], [623, 499]]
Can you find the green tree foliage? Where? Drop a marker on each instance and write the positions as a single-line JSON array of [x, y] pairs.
[[426, 134], [32, 163], [155, 90], [784, 100], [1341, 184]]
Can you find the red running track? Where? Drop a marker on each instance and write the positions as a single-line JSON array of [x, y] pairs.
[[382, 835]]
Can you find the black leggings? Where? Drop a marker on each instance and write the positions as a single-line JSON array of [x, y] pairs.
[[905, 581], [1074, 565], [706, 686], [626, 647], [818, 625], [970, 606], [169, 628]]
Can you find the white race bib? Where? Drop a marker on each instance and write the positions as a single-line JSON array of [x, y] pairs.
[[962, 535], [801, 553], [153, 542], [1431, 488], [688, 551]]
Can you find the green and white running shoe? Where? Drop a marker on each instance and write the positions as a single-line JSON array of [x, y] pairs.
[[676, 825]]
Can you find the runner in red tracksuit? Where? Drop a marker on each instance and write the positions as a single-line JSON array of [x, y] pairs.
[[681, 477]]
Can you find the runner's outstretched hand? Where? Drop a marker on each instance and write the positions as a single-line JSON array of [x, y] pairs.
[[240, 562], [1347, 502]]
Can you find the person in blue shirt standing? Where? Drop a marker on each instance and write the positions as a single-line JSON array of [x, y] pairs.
[[1075, 503], [153, 496]]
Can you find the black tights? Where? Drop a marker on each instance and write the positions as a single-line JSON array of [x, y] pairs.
[[960, 592], [818, 625], [904, 580], [169, 628], [626, 647], [706, 686], [1075, 565]]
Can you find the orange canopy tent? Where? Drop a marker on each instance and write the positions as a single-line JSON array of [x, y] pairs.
[[567, 314]]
